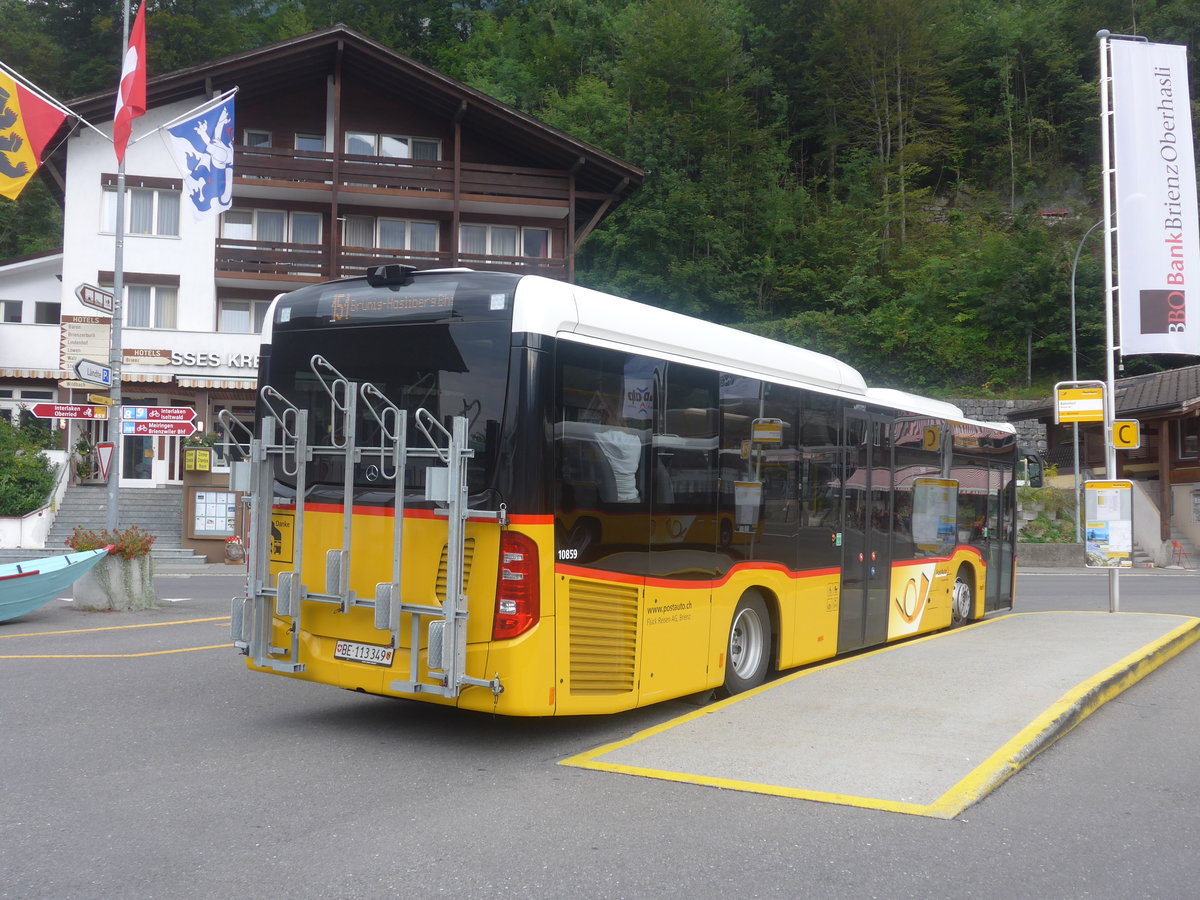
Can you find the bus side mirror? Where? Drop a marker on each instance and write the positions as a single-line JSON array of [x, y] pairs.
[[1032, 466]]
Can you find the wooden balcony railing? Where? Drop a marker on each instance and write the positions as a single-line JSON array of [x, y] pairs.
[[271, 258], [310, 262], [307, 168]]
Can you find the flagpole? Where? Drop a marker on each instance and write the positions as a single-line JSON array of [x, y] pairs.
[[115, 350], [37, 91], [221, 98]]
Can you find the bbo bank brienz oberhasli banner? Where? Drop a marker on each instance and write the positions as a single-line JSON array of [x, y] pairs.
[[1158, 255]]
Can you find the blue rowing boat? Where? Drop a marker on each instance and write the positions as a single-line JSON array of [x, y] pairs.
[[26, 586]]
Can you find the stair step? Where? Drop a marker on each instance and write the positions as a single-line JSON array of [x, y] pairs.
[[156, 510]]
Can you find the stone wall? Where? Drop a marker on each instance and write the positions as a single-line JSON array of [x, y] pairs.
[[1030, 433], [1050, 556]]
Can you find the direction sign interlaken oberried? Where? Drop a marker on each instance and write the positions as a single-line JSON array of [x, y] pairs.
[[68, 411]]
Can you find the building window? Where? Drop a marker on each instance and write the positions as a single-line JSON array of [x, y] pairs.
[[502, 240], [11, 310], [271, 225], [366, 143], [242, 316], [47, 313], [389, 234], [148, 211], [311, 143], [535, 243], [257, 138], [150, 306], [1189, 438]]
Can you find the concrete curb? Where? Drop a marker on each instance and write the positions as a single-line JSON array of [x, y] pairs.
[[1063, 716]]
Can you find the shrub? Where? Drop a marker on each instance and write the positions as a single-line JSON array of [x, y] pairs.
[[26, 475], [127, 543]]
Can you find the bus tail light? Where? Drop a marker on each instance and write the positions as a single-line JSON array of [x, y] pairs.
[[518, 592]]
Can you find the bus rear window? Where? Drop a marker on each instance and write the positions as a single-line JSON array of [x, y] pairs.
[[447, 369]]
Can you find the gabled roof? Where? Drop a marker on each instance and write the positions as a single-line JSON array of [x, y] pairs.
[[276, 68], [1164, 393]]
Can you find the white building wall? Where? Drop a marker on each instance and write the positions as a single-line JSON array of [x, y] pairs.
[[25, 344], [193, 346], [88, 250], [31, 281]]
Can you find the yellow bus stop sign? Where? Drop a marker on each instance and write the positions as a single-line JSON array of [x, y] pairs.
[[1127, 434], [931, 439], [1083, 404]]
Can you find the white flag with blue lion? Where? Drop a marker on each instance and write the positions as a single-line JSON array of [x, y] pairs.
[[203, 148]]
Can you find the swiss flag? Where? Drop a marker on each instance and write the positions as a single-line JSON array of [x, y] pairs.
[[131, 93]]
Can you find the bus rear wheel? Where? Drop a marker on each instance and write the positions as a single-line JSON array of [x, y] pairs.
[[962, 604], [748, 651]]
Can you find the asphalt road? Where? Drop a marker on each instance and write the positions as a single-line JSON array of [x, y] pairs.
[[147, 762]]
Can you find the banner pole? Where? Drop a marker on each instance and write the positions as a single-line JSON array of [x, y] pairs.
[[1110, 452]]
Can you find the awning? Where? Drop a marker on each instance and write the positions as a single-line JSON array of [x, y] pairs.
[[237, 384], [144, 376], [31, 373]]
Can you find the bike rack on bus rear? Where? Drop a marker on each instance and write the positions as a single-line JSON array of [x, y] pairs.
[[283, 440]]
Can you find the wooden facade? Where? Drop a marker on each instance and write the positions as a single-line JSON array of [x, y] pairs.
[[486, 186]]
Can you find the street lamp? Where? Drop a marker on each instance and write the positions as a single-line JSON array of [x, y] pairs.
[[1075, 377]]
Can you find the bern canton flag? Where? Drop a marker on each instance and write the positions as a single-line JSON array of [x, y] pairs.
[[203, 145]]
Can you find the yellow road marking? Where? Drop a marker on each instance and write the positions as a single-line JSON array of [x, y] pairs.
[[115, 627], [117, 655]]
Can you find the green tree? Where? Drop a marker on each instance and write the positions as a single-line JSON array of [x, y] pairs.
[[881, 65]]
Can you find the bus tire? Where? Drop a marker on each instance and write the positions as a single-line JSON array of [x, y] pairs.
[[962, 602], [748, 650]]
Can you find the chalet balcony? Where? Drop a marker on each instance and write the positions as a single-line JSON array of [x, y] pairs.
[[376, 180], [424, 188]]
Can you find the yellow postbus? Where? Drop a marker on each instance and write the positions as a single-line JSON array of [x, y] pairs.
[[512, 494]]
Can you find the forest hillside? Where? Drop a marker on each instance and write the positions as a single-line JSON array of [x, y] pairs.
[[902, 183]]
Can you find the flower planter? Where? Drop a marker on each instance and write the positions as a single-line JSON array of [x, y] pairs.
[[118, 584]]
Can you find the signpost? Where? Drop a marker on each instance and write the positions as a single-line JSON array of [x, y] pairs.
[[161, 421], [68, 411], [101, 399], [93, 372], [1078, 401], [96, 298], [1127, 434], [104, 455], [158, 428], [158, 414], [83, 337]]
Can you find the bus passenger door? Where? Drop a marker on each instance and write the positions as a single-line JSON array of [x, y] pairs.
[[866, 531], [998, 543]]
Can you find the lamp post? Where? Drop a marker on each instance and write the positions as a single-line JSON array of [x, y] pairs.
[[1075, 377]]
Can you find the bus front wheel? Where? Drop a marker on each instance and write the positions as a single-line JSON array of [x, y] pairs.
[[962, 604], [748, 650]]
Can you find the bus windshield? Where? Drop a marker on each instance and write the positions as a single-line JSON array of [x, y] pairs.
[[447, 363]]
